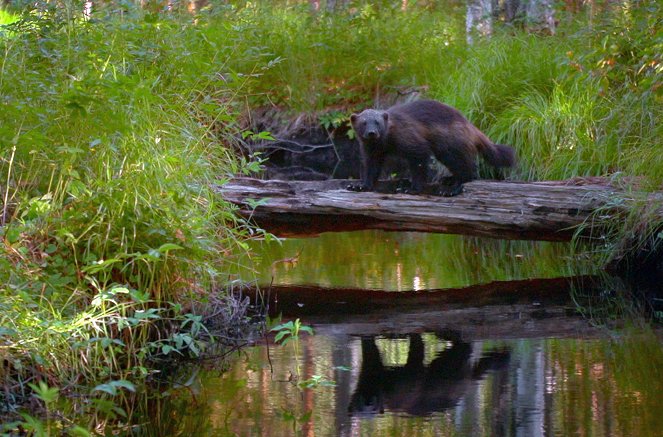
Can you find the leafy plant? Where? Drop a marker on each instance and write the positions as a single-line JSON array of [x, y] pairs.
[[286, 332], [316, 381]]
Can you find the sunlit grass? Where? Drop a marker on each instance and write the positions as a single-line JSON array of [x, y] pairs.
[[7, 17]]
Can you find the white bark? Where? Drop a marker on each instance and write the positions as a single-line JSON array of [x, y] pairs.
[[479, 19], [540, 15]]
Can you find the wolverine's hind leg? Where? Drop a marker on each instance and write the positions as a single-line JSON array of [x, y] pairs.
[[418, 172], [462, 166]]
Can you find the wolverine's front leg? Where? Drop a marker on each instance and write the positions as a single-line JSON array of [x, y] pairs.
[[371, 165]]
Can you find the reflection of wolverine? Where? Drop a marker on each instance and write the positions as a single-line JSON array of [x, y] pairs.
[[417, 130], [415, 388]]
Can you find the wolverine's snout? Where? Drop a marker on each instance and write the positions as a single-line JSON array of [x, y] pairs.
[[372, 135]]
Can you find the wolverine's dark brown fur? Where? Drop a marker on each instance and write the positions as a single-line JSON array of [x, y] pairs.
[[417, 130]]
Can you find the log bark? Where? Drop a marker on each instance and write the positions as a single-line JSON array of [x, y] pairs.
[[550, 211]]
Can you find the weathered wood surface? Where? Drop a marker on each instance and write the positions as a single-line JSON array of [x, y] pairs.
[[514, 210]]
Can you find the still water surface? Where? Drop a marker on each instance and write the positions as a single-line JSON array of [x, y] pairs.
[[408, 261], [507, 364], [427, 385]]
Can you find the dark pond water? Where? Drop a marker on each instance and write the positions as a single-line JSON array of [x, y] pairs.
[[485, 338]]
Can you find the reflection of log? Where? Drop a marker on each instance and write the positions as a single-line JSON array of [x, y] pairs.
[[509, 309], [533, 211]]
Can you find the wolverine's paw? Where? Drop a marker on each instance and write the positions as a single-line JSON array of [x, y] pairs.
[[450, 191], [409, 191], [355, 187]]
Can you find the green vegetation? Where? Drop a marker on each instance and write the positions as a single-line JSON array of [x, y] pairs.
[[111, 137], [114, 129], [580, 103], [289, 331], [7, 17]]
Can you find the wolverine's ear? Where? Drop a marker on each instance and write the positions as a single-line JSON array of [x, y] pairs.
[[353, 118], [385, 115]]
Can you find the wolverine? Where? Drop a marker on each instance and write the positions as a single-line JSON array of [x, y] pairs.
[[417, 130]]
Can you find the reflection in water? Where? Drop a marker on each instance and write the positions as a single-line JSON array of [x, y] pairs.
[[408, 261], [415, 388], [437, 385], [486, 381]]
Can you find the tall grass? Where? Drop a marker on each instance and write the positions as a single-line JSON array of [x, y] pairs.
[[575, 104], [112, 134]]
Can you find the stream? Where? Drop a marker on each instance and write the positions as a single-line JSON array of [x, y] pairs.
[[435, 335]]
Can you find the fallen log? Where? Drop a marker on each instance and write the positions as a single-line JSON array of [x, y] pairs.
[[550, 211]]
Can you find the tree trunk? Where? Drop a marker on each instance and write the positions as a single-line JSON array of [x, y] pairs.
[[539, 16], [513, 11], [479, 19]]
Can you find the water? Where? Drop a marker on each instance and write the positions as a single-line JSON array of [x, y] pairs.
[[436, 385], [551, 356], [402, 261]]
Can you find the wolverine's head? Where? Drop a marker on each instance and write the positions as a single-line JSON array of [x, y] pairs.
[[370, 125]]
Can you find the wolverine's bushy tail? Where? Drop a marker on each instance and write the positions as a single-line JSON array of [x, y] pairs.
[[499, 155]]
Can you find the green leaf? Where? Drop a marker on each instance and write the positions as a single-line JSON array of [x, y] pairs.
[[288, 325], [264, 135], [280, 335], [166, 349], [169, 246], [78, 431], [36, 426], [107, 388], [98, 266], [152, 313], [12, 234], [128, 385], [306, 329], [6, 331], [44, 392], [112, 387], [254, 203]]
